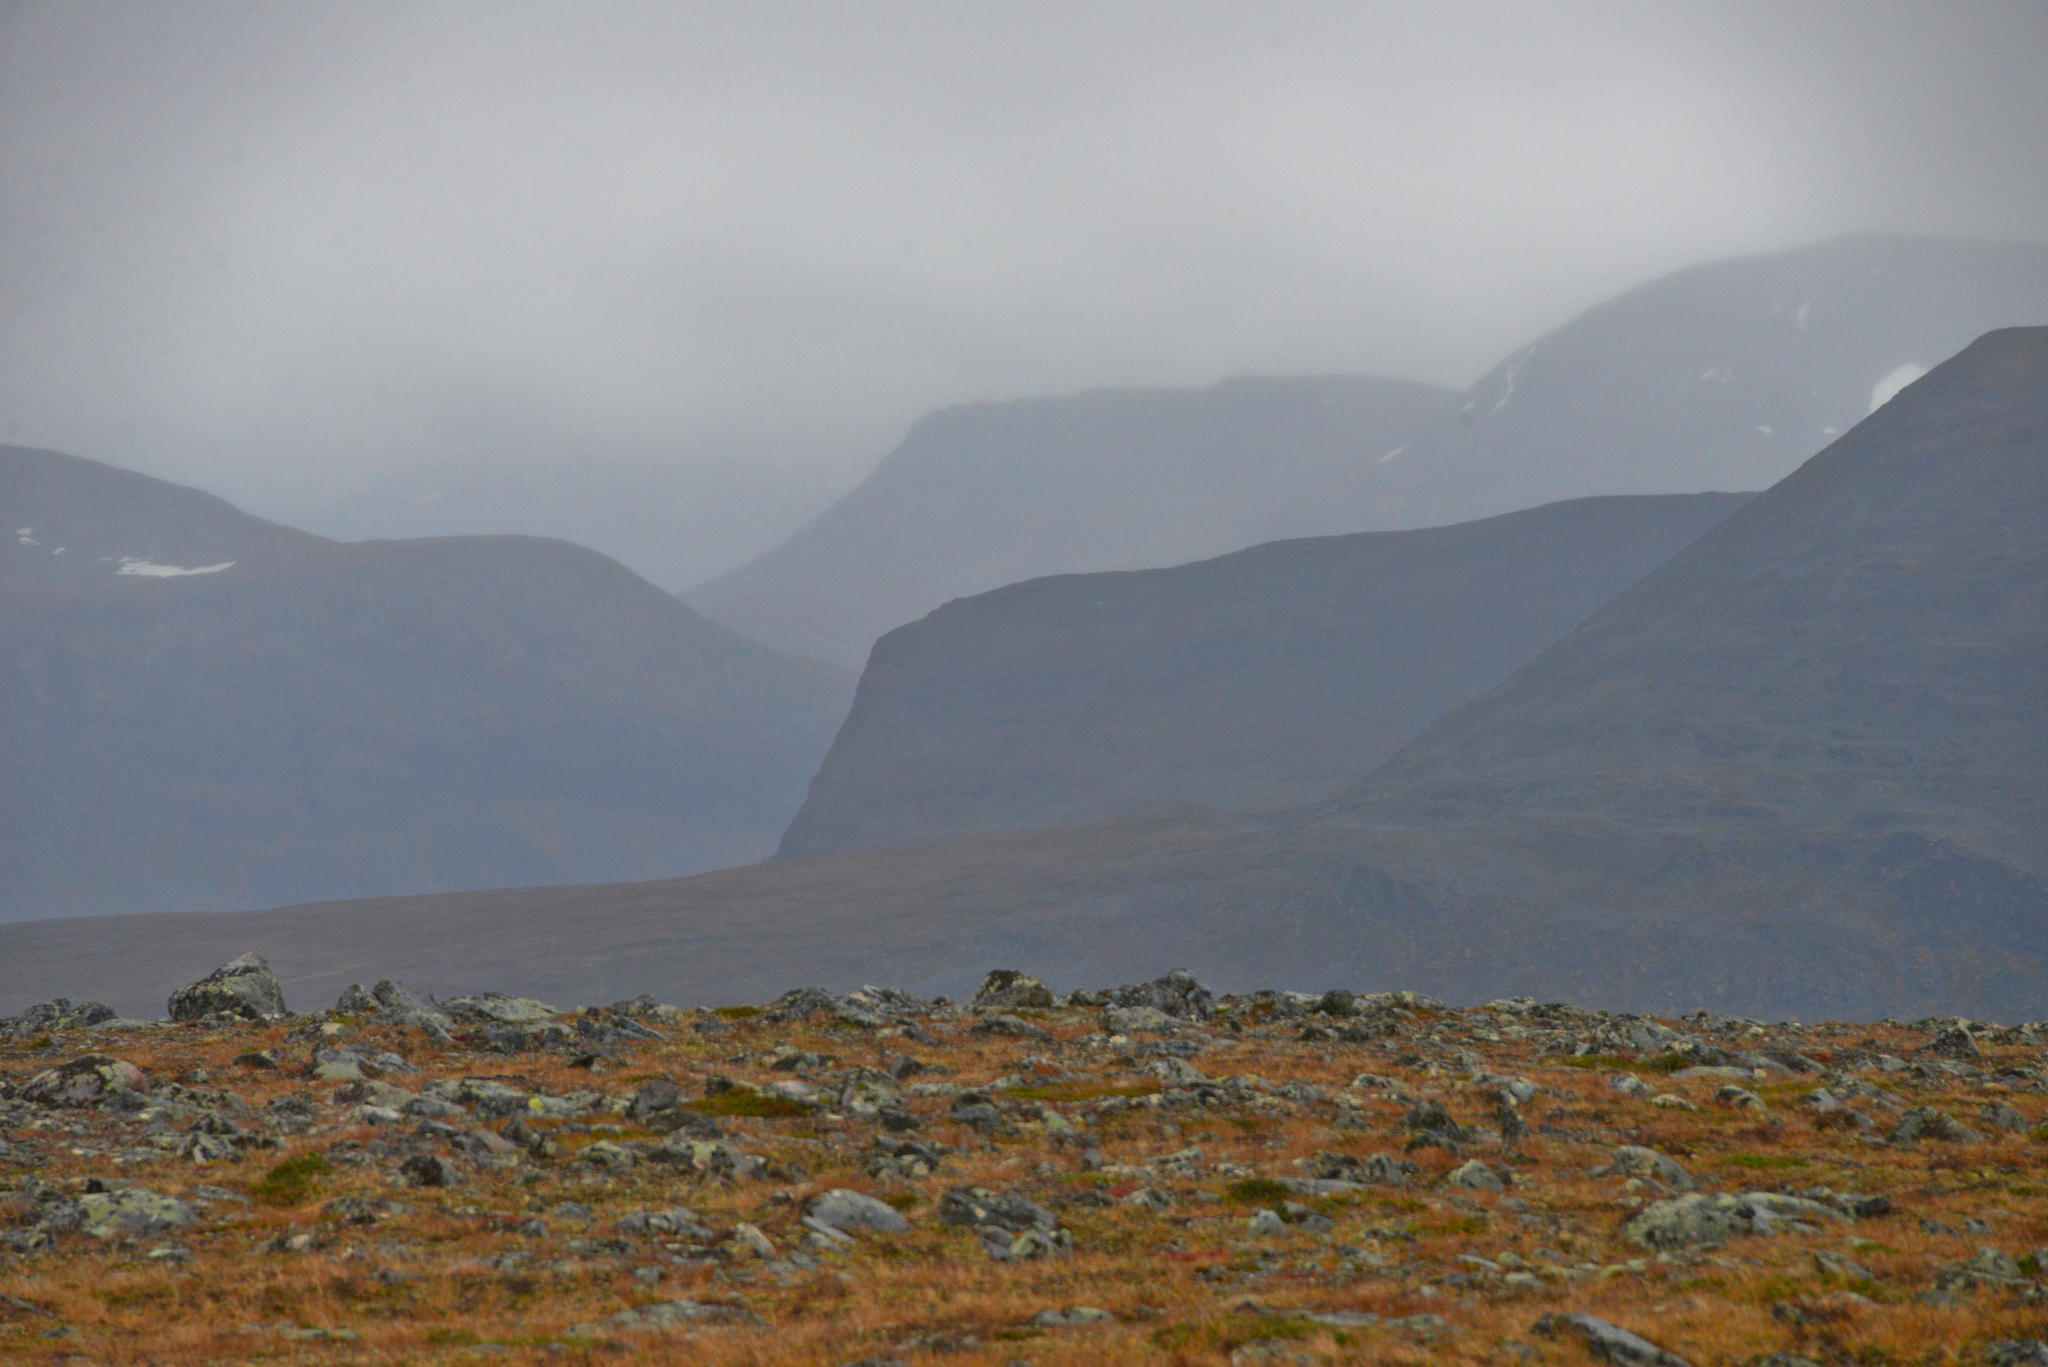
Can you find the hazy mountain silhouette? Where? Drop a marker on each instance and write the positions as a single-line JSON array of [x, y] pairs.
[[202, 709], [1262, 679], [987, 494], [1724, 376], [1798, 768]]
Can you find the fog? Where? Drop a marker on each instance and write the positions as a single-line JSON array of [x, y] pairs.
[[487, 260]]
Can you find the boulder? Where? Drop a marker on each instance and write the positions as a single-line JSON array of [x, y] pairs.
[[1632, 1160], [1608, 1342], [495, 1008], [1179, 994], [89, 1080], [1924, 1122], [135, 1212], [244, 987], [1694, 1220], [847, 1211], [1006, 989]]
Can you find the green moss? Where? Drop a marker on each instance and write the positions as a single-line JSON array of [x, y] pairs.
[[1757, 1161], [1226, 1335], [737, 1013], [292, 1182], [742, 1101], [1257, 1191]]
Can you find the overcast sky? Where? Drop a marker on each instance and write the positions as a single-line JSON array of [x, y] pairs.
[[287, 250]]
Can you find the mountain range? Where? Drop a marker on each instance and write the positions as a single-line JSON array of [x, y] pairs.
[[1259, 680], [1797, 768], [200, 709], [1722, 376]]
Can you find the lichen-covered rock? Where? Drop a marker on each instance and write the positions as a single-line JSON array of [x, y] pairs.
[[1692, 1220], [1633, 1160], [1006, 989], [495, 1008], [1476, 1176], [59, 1013], [135, 1212], [1924, 1122], [89, 1080], [847, 1211], [1609, 1342], [1180, 994], [244, 987]]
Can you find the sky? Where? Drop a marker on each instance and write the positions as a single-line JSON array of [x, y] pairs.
[[298, 253]]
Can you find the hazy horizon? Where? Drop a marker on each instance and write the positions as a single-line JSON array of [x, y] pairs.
[[462, 255]]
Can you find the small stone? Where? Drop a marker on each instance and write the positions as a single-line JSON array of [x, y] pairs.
[[1476, 1176], [1267, 1224]]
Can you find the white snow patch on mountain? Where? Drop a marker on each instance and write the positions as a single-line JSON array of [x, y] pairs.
[[1508, 384], [1393, 454], [1894, 380], [149, 569]]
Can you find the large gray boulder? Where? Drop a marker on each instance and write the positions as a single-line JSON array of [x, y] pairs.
[[1693, 1220], [135, 1212], [89, 1080], [846, 1211], [245, 987]]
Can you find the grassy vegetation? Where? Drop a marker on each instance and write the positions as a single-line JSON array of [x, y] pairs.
[[293, 1182], [744, 1101], [463, 1275]]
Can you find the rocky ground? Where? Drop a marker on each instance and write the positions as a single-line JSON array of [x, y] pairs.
[[1140, 1174]]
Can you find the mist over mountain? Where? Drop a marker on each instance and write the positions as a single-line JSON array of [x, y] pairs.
[[987, 494], [674, 524], [1797, 769], [1725, 376], [199, 709], [1262, 679]]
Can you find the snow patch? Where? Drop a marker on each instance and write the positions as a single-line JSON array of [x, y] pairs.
[[1805, 308], [1894, 380], [1394, 454], [1717, 374], [1508, 384], [1829, 432], [26, 536], [149, 569], [1763, 429]]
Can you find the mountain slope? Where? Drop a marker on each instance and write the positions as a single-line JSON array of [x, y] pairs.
[[1266, 678], [1607, 825], [988, 494], [310, 719], [1816, 740], [1723, 376]]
